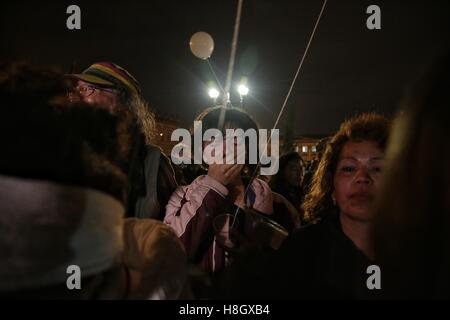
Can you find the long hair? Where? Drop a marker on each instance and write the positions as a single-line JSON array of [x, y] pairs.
[[411, 231], [140, 110], [364, 127]]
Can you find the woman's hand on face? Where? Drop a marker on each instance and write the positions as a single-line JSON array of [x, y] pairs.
[[225, 173]]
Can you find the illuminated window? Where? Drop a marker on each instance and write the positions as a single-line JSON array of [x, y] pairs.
[[305, 149], [313, 149]]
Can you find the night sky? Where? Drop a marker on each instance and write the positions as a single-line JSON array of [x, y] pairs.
[[348, 69]]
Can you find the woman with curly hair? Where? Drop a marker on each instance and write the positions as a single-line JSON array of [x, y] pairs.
[[329, 258]]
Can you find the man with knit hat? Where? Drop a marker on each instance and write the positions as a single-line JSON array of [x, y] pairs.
[[106, 84], [152, 179], [62, 189]]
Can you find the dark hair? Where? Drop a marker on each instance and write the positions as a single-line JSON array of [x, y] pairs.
[[364, 127], [285, 159], [411, 230], [43, 136], [222, 118]]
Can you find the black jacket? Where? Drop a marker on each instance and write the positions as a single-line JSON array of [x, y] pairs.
[[316, 262]]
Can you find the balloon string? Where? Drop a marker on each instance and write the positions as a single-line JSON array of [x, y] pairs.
[[226, 97], [300, 65], [283, 106], [215, 76], [226, 92]]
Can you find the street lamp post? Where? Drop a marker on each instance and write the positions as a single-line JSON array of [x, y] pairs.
[[243, 91], [213, 94]]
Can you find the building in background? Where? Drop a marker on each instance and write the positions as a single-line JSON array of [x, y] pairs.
[[309, 147], [164, 127]]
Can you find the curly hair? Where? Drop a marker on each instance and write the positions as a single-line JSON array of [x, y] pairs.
[[364, 127]]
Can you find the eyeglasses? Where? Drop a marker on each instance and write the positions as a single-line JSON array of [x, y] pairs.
[[88, 90]]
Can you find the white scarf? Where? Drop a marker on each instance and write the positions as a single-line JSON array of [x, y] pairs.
[[46, 227]]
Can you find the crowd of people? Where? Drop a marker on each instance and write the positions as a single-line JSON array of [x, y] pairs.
[[83, 183]]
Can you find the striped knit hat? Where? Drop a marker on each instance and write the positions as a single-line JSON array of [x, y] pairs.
[[110, 75]]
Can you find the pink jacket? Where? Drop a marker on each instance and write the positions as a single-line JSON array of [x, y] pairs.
[[191, 210]]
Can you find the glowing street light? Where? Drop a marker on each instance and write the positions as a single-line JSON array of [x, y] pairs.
[[243, 90], [213, 93]]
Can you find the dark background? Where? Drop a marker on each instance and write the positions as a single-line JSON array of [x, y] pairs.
[[348, 69]]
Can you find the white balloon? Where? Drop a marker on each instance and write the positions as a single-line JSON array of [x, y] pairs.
[[202, 45]]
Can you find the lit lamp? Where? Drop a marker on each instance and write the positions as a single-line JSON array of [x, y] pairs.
[[213, 94], [243, 91]]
